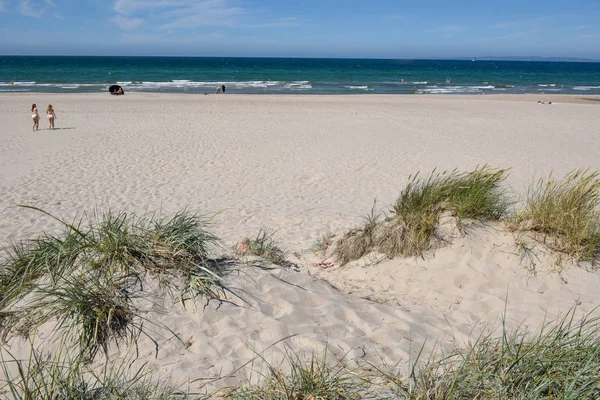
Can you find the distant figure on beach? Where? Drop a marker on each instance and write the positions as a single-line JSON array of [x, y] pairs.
[[219, 89], [223, 88], [51, 116], [448, 80], [35, 116], [402, 80]]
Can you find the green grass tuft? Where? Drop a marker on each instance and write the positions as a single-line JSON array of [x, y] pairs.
[[413, 223], [85, 278], [308, 379], [66, 379], [264, 245], [561, 361], [564, 214]]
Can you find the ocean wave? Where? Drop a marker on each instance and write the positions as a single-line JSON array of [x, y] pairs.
[[585, 87], [298, 85], [357, 87], [455, 89], [546, 85], [16, 83]]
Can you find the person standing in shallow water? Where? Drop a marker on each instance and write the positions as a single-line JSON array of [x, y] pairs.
[[223, 88], [35, 116]]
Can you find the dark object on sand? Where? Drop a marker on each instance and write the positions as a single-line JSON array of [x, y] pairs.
[[223, 88], [116, 89]]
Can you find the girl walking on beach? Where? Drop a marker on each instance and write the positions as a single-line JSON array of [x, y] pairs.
[[51, 116], [36, 117]]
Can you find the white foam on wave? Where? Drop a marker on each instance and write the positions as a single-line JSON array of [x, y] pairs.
[[585, 87], [298, 85], [454, 89], [546, 85], [184, 83], [22, 83], [420, 83], [357, 87]]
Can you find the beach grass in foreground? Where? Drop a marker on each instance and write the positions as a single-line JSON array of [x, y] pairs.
[[85, 281], [86, 278]]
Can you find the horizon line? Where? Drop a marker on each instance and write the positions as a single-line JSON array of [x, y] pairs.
[[456, 58]]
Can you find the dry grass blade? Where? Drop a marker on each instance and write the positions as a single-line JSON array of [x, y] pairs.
[[264, 245]]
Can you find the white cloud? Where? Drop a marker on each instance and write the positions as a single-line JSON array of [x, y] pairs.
[[526, 22], [277, 23], [126, 23], [34, 8], [127, 7], [140, 38], [202, 14], [175, 15]]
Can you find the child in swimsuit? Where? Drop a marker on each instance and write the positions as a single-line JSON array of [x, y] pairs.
[[51, 116], [36, 117]]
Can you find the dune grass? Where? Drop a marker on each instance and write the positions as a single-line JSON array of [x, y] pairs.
[[560, 361], [564, 214], [358, 242], [322, 244], [86, 278], [264, 245], [412, 225], [307, 378], [62, 378]]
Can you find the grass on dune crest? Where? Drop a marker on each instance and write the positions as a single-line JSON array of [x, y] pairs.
[[360, 241], [86, 278], [414, 219], [564, 214], [560, 361]]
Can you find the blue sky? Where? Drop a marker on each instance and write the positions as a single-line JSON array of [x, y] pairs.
[[302, 28]]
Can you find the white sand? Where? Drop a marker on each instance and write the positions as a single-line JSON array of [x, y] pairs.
[[305, 165]]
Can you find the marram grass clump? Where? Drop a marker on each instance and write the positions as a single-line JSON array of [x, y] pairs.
[[86, 278], [306, 378], [263, 245], [412, 224], [560, 361], [64, 378], [564, 214]]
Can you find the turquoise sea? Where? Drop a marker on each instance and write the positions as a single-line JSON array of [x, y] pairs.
[[297, 76]]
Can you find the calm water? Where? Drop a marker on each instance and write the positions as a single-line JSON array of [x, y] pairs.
[[288, 75]]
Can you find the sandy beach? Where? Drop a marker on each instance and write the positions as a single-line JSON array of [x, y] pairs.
[[305, 166]]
